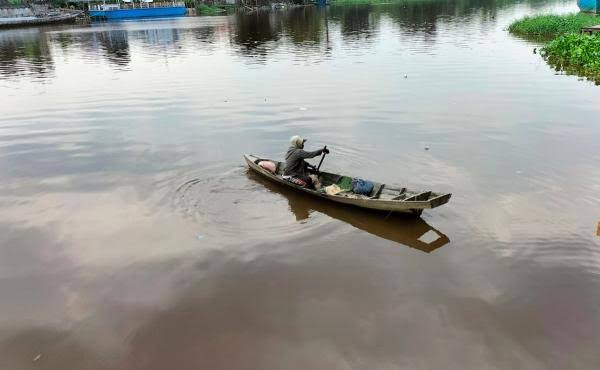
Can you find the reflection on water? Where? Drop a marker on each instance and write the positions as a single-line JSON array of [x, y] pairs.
[[24, 51], [404, 229], [132, 236], [306, 28], [115, 44]]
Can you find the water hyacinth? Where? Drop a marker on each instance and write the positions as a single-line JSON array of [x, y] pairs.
[[575, 53]]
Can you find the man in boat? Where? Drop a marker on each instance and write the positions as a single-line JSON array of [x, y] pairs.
[[295, 164]]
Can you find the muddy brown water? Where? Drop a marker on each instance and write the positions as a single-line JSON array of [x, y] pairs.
[[132, 236]]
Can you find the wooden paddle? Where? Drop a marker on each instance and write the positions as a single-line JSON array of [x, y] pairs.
[[321, 162]]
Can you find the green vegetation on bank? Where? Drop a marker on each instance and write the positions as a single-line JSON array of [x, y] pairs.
[[574, 53], [376, 2], [362, 2], [205, 9], [552, 25]]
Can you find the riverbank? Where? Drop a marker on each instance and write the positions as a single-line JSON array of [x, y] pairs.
[[565, 49], [196, 8], [552, 25], [204, 9], [362, 2], [373, 2]]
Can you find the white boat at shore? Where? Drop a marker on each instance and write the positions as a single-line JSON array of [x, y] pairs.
[[55, 17], [31, 13]]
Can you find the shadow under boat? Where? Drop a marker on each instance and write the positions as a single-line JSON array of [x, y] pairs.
[[405, 229]]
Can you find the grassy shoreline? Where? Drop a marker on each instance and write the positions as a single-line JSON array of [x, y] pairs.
[[204, 9], [552, 25], [376, 2], [364, 2]]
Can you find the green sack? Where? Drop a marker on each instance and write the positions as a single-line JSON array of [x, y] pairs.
[[345, 183]]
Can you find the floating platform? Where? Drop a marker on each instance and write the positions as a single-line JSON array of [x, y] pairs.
[[590, 30]]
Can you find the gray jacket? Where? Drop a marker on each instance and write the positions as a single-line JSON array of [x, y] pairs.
[[294, 161]]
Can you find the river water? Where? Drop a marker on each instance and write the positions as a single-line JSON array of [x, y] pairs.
[[133, 237]]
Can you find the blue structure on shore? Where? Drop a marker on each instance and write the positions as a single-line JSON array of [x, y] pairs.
[[145, 10], [589, 5]]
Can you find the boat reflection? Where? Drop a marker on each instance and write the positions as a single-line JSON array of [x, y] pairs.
[[408, 230]]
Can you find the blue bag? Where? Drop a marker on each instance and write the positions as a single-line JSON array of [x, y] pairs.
[[360, 186]]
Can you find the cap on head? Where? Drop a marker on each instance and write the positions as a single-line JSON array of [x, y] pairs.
[[297, 141]]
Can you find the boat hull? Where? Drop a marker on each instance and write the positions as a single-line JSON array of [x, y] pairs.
[[172, 11], [592, 6], [413, 207], [396, 227], [65, 17]]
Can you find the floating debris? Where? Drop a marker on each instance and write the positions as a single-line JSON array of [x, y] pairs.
[[426, 147], [303, 108], [199, 236], [405, 75], [37, 357]]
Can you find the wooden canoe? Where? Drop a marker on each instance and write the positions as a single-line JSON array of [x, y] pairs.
[[402, 228], [382, 198]]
